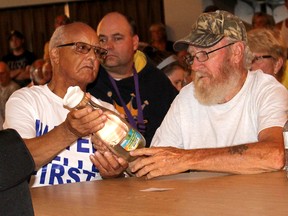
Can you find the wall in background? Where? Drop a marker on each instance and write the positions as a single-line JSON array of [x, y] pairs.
[[179, 16]]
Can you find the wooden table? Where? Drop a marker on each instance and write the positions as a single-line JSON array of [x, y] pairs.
[[198, 193]]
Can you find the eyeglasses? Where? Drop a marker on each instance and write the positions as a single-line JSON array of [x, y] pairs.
[[256, 58], [84, 48], [202, 56]]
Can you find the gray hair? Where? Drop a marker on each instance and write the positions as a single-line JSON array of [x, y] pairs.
[[57, 37], [248, 55]]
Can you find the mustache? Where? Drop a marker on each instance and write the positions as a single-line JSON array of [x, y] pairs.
[[200, 74]]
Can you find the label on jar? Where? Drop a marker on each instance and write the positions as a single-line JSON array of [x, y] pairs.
[[132, 140]]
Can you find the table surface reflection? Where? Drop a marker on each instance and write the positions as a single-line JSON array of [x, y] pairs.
[[195, 193]]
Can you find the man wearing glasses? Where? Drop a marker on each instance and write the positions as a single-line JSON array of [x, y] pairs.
[[229, 119], [57, 137]]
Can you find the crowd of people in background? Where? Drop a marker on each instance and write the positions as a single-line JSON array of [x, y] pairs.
[[25, 69]]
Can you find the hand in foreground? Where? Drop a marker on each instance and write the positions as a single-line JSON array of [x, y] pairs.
[[99, 145], [85, 121], [159, 161], [108, 164]]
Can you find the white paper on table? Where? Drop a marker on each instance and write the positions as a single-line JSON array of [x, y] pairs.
[[156, 189]]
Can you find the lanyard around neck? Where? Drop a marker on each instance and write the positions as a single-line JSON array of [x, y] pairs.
[[140, 119]]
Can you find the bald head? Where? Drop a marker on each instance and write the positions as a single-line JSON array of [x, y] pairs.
[[71, 32], [118, 19]]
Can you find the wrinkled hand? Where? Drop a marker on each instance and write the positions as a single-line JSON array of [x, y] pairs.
[[159, 161], [108, 164], [85, 121]]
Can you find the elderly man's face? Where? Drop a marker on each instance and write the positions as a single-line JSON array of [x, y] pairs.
[[215, 77], [75, 67]]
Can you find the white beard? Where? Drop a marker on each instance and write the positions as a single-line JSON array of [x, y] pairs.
[[217, 88]]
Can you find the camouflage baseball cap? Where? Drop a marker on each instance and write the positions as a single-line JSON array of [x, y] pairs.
[[210, 28]]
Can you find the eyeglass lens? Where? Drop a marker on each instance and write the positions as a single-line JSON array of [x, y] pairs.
[[202, 56], [85, 48], [256, 58]]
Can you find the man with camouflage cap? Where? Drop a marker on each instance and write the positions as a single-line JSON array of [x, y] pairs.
[[229, 119]]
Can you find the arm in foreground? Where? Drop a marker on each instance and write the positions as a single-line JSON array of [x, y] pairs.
[[263, 156], [16, 162], [79, 123]]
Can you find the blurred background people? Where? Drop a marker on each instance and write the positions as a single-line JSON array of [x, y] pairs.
[[181, 57], [270, 53], [283, 27], [263, 20], [174, 71], [36, 75], [210, 8], [19, 58], [47, 71], [61, 19], [7, 87], [158, 38], [40, 72]]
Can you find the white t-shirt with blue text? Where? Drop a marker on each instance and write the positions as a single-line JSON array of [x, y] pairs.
[[35, 111]]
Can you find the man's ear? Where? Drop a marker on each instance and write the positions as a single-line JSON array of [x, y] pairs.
[[54, 55], [278, 65], [135, 42], [238, 51]]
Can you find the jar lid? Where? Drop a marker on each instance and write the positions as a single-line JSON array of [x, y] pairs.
[[73, 96]]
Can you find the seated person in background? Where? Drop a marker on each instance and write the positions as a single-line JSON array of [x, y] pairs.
[[155, 55], [40, 72], [210, 8], [173, 70], [60, 140], [181, 56], [47, 71], [282, 26], [128, 79], [16, 168], [18, 59], [7, 87], [36, 75], [229, 119], [263, 20], [269, 51], [158, 38]]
